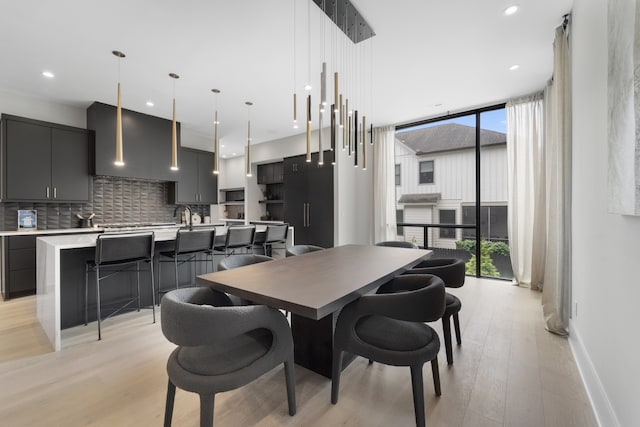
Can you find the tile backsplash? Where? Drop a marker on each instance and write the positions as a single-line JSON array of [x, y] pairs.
[[114, 200]]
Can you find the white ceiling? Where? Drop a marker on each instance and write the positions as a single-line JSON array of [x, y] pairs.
[[456, 53]]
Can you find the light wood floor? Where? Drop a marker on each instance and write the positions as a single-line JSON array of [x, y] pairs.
[[508, 372]]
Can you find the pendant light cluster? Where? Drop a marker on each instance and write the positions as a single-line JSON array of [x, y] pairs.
[[348, 120], [119, 151]]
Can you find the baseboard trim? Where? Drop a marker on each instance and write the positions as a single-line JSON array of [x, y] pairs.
[[604, 413]]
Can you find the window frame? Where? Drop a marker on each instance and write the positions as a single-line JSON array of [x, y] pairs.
[[433, 170], [451, 231]]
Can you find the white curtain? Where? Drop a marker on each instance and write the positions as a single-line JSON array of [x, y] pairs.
[[384, 188], [539, 185], [556, 292], [525, 166]]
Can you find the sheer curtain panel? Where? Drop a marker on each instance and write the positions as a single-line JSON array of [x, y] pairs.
[[384, 186]]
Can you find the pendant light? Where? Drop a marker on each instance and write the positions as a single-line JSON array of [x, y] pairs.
[[308, 158], [363, 143], [320, 148], [216, 138], [248, 155], [308, 85], [174, 127], [119, 160], [295, 95]]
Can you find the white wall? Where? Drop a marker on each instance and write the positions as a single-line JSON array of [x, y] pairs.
[[42, 109], [606, 286]]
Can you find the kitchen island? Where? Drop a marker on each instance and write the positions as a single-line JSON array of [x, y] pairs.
[[60, 275]]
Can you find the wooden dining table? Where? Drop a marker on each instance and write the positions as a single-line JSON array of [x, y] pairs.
[[314, 287]]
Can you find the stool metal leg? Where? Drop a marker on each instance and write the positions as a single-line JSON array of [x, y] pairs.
[[98, 300], [138, 282], [175, 267], [153, 291], [86, 294]]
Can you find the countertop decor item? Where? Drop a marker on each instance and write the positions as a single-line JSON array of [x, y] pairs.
[[27, 219]]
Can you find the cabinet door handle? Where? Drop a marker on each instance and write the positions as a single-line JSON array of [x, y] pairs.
[[308, 214], [47, 192], [304, 214], [55, 192]]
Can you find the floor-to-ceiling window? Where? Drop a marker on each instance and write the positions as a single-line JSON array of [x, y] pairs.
[[445, 168]]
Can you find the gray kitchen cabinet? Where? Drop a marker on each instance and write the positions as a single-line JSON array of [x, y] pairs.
[[196, 183], [19, 266], [44, 161]]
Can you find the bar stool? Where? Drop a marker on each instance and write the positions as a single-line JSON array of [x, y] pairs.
[[238, 237], [275, 234], [189, 244], [116, 253]]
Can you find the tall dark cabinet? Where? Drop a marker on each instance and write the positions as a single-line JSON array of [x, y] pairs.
[[308, 200], [44, 161]]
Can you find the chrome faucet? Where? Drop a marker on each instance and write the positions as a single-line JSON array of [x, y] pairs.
[[187, 214]]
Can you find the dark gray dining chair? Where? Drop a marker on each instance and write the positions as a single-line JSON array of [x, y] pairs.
[[452, 271], [302, 249], [398, 244], [389, 328], [241, 260], [222, 347]]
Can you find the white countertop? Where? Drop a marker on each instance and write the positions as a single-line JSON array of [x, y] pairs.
[[51, 231], [87, 240]]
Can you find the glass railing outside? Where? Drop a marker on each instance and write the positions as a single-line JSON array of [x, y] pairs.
[[495, 259]]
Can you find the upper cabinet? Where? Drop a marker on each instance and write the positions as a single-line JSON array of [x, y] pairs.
[[44, 161], [270, 173], [196, 182], [146, 144]]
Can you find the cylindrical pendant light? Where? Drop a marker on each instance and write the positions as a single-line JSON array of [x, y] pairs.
[[333, 136], [335, 92], [119, 160], [248, 155], [320, 148], [355, 138], [308, 158], [364, 145], [216, 138], [371, 140], [295, 96], [323, 85], [174, 127], [347, 132]]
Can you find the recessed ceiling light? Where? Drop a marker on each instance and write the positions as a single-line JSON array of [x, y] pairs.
[[514, 67], [221, 145], [150, 104], [233, 154], [48, 74], [511, 10], [224, 156]]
